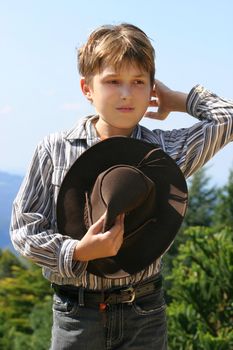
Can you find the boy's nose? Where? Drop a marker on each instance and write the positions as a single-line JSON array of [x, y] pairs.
[[125, 92]]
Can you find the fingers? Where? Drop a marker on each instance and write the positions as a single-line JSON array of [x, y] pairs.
[[97, 227], [154, 103], [160, 87], [118, 227], [99, 244], [160, 97], [156, 115], [116, 233], [120, 220]]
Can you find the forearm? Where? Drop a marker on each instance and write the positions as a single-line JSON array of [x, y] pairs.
[[204, 139], [192, 147], [32, 239]]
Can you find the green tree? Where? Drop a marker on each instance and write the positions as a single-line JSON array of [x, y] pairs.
[[201, 204], [23, 293], [7, 260], [41, 325], [202, 200], [223, 215], [200, 316]]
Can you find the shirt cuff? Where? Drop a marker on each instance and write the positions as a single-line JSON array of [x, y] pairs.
[[196, 94], [67, 267]]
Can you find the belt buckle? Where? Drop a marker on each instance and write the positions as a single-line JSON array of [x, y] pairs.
[[131, 292]]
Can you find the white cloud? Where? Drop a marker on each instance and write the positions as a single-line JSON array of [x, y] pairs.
[[71, 107], [6, 109]]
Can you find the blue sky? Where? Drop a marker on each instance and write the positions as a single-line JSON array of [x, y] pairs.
[[39, 83]]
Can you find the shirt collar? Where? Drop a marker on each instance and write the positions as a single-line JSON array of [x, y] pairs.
[[85, 129]]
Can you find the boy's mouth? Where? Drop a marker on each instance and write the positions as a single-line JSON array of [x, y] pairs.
[[125, 109]]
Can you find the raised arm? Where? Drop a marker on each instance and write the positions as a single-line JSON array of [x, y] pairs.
[[192, 147]]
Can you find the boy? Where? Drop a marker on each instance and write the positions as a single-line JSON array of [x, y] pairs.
[[117, 69]]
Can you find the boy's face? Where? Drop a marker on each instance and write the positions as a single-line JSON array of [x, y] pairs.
[[120, 98]]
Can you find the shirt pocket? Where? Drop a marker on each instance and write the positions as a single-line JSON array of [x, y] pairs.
[[64, 305], [152, 304]]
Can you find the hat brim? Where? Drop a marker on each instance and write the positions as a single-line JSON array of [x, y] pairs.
[[153, 238]]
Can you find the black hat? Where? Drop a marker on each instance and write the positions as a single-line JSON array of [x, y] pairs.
[[124, 175]]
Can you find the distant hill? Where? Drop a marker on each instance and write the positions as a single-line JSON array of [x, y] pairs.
[[9, 186]]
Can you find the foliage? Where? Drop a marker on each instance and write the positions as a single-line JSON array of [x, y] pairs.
[[7, 260], [200, 315], [223, 215], [202, 200], [201, 205], [41, 325], [24, 295]]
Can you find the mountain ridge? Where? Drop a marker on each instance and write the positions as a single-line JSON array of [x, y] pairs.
[[9, 186]]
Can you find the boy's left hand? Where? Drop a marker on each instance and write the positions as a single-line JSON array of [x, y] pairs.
[[166, 101]]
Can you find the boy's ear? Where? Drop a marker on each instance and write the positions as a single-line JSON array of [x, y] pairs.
[[85, 87]]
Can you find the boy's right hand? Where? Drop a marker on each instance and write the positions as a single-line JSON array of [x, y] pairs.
[[97, 244]]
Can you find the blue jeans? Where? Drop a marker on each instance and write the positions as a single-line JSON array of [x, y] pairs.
[[140, 325]]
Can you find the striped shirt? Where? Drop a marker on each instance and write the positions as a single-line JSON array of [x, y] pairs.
[[33, 228]]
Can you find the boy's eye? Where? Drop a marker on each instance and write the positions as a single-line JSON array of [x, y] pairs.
[[113, 81], [138, 82], [117, 82]]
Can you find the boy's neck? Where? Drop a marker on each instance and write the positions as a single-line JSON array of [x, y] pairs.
[[105, 131]]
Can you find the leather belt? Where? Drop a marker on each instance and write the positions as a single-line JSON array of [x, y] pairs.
[[111, 296]]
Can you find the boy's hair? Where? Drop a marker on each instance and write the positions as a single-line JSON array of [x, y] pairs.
[[116, 45]]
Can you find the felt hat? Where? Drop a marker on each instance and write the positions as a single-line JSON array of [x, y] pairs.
[[124, 175]]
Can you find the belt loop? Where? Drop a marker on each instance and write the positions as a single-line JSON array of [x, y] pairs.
[[81, 296]]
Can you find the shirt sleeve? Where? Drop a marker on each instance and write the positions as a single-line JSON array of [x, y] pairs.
[[192, 147], [33, 223]]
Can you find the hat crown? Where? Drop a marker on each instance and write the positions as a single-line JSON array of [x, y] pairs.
[[120, 189]]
